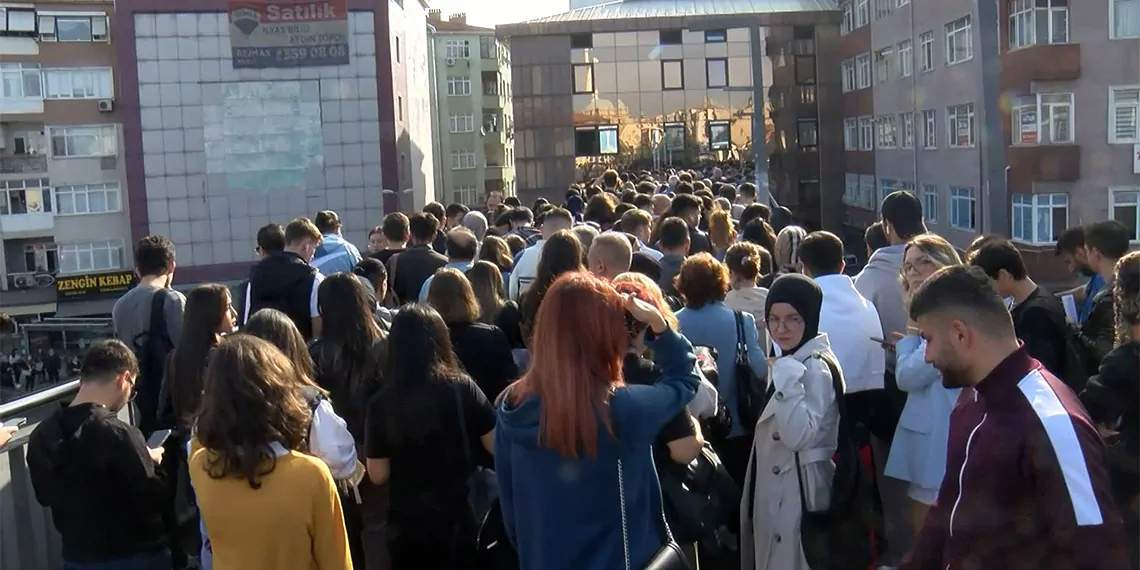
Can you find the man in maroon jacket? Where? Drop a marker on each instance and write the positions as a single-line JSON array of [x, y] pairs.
[[1026, 487]]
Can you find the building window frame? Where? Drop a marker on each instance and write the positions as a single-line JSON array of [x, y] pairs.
[[680, 74], [956, 116], [27, 76], [78, 83], [1120, 200], [886, 132], [467, 195], [582, 76], [463, 160], [1038, 119], [960, 33], [85, 256], [866, 133], [70, 197], [459, 86], [864, 76], [850, 134], [19, 196], [848, 22], [862, 13], [807, 134], [848, 75], [457, 49], [929, 199], [1030, 19], [709, 62], [883, 60], [105, 143], [905, 53], [673, 136], [598, 147], [906, 129], [1033, 217], [926, 51], [929, 129], [97, 27], [1123, 28], [718, 36], [461, 123], [720, 134], [1123, 101], [963, 202]]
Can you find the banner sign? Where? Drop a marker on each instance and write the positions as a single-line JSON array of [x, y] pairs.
[[272, 33], [81, 286]]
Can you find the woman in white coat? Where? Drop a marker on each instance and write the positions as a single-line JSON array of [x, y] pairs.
[[801, 418]]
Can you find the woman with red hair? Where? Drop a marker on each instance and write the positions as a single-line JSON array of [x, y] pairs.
[[578, 487]]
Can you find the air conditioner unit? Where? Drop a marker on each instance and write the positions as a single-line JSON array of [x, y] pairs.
[[450, 61], [106, 105], [24, 281]]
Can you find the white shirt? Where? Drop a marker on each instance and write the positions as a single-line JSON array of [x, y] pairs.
[[850, 321], [524, 270]]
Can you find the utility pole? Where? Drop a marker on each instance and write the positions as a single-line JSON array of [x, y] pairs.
[[991, 142]]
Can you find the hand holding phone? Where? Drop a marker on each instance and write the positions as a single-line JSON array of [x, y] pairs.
[[886, 344], [157, 438]]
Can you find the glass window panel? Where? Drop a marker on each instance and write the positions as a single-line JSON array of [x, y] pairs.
[[740, 71], [649, 76], [717, 72], [73, 29], [583, 78], [605, 77], [672, 74], [627, 77], [625, 39]]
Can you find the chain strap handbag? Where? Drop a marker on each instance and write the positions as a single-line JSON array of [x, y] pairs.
[[669, 556]]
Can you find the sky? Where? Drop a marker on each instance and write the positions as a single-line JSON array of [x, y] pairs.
[[490, 13]]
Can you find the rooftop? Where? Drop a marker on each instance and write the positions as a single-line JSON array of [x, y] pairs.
[[454, 23], [628, 9]]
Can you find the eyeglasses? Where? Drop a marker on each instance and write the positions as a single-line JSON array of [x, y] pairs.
[[921, 263], [788, 323]]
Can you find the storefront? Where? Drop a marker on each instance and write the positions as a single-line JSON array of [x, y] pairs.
[[91, 295]]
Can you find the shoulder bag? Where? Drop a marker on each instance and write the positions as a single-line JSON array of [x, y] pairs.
[[668, 557], [849, 533], [483, 486], [750, 390]]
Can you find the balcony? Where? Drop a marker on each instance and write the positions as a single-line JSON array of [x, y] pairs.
[[1042, 163], [23, 164], [28, 289], [1042, 62], [496, 170], [29, 224]]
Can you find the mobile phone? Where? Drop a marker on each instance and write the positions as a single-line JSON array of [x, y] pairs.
[[157, 438], [880, 340], [15, 422]]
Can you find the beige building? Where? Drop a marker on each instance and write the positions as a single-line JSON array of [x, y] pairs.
[[63, 193], [474, 126]]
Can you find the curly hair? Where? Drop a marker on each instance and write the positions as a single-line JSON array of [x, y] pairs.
[[702, 280], [1126, 296], [252, 400]]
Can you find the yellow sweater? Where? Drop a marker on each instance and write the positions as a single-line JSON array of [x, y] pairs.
[[293, 522]]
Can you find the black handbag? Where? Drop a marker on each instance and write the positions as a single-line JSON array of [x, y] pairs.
[[849, 533], [493, 549], [750, 390], [699, 499], [668, 557]]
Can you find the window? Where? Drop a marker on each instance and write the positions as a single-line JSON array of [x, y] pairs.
[[31, 196], [1044, 119], [41, 257], [1124, 114], [886, 135], [715, 36], [929, 129], [907, 122], [716, 72], [18, 21], [848, 22], [1038, 22], [959, 41], [669, 37], [583, 78], [863, 71], [805, 69], [1124, 18], [960, 125], [851, 189], [1038, 218], [884, 8], [582, 41], [851, 134], [862, 13], [87, 257], [85, 83], [866, 134], [906, 59], [77, 142], [78, 27], [719, 135], [88, 199], [399, 108], [462, 123], [595, 141], [458, 86], [457, 49], [397, 38], [930, 202], [807, 133], [462, 159], [962, 208], [674, 136], [673, 74], [21, 80], [926, 51], [883, 59], [886, 186], [848, 68], [867, 192], [1124, 207], [465, 195]]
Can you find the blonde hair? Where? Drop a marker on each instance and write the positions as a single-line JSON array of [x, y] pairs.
[[721, 233], [1126, 304], [451, 295], [936, 248], [787, 250]]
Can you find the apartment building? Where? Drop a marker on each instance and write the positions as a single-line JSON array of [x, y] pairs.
[[1049, 143], [473, 120], [64, 213], [651, 83]]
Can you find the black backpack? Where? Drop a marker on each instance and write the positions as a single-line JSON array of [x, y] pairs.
[[152, 347]]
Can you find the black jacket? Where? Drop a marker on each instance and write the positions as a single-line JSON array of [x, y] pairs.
[[699, 242], [1098, 331], [407, 271], [95, 474], [1112, 399], [1039, 322], [284, 281], [485, 353]]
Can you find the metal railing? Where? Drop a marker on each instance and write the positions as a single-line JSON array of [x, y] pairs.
[[28, 540]]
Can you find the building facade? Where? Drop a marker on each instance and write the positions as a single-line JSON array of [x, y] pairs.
[[474, 122], [131, 118], [653, 84], [64, 213], [1045, 143]]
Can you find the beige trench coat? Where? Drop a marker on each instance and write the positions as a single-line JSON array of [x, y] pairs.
[[801, 416]]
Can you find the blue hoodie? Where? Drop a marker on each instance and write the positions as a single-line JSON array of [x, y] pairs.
[[563, 513], [335, 254]]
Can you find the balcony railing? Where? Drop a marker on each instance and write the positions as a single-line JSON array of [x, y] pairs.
[[23, 164]]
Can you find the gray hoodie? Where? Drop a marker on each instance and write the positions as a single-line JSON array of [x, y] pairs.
[[879, 283]]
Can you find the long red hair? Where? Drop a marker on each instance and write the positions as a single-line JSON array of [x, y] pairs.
[[579, 342]]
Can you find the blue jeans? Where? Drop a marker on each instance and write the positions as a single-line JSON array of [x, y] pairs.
[[155, 561]]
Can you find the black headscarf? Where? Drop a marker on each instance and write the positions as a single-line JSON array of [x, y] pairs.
[[804, 296]]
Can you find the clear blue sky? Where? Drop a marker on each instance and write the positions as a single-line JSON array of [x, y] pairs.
[[490, 13]]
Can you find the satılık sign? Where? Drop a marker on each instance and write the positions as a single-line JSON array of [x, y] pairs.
[[267, 33]]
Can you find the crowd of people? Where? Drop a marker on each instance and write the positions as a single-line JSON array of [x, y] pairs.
[[659, 372]]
